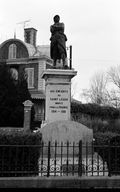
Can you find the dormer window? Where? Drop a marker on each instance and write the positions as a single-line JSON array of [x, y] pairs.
[[12, 51]]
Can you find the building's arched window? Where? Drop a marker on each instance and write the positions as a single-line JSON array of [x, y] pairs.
[[12, 51]]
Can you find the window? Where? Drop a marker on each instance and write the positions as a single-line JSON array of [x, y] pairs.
[[30, 77], [12, 51]]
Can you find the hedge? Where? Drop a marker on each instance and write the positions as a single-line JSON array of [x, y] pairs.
[[103, 112], [19, 154], [104, 138], [106, 145]]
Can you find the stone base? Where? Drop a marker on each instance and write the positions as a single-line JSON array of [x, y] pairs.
[[58, 94], [63, 131]]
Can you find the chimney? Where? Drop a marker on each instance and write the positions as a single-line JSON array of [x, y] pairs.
[[30, 36]]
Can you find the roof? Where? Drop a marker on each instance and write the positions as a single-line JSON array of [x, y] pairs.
[[26, 29], [44, 50], [31, 49], [40, 50]]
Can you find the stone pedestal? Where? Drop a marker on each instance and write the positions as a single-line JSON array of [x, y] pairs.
[[58, 94], [27, 114]]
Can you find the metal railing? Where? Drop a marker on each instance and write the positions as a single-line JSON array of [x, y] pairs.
[[59, 159], [71, 159]]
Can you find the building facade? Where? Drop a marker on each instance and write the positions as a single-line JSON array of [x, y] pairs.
[[25, 55]]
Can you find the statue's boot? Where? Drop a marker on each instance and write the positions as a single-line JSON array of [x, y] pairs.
[[65, 65], [54, 64]]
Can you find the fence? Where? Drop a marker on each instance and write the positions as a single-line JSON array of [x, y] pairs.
[[71, 159], [59, 159]]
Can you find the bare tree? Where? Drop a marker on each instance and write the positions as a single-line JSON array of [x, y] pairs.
[[114, 75], [104, 88], [114, 79], [113, 98], [97, 92], [85, 95]]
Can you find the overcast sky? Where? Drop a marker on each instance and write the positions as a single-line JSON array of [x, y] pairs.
[[92, 28]]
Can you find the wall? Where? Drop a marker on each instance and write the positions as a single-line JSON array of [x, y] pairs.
[[60, 182]]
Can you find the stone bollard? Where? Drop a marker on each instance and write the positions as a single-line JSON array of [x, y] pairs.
[[27, 114]]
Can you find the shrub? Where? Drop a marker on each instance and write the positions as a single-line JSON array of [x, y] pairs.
[[95, 110], [106, 145], [93, 114], [12, 95], [19, 153], [97, 124], [104, 138]]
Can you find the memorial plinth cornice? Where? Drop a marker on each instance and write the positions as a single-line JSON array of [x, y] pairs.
[[58, 73]]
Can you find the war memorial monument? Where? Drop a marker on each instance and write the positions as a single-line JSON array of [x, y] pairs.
[[58, 125]]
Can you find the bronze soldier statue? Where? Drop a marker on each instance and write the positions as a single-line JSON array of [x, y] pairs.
[[58, 42]]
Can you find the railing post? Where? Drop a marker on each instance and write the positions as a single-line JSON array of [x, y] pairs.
[[73, 168], [109, 164], [86, 158], [92, 157], [42, 145], [80, 159], [67, 162], [16, 160], [48, 167], [61, 158], [55, 158]]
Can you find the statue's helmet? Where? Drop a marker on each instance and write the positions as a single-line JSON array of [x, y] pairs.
[[56, 18]]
